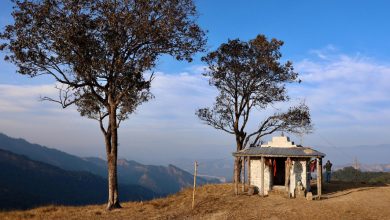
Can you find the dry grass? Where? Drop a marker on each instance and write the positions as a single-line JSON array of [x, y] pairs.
[[341, 201]]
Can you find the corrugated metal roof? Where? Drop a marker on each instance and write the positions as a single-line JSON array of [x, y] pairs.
[[279, 152]]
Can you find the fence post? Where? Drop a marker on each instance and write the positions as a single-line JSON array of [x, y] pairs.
[[193, 192]]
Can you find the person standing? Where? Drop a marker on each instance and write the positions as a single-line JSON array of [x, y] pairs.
[[328, 169]]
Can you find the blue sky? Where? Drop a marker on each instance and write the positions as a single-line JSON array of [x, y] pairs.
[[340, 48]]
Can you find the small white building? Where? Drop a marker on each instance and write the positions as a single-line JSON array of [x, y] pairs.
[[280, 164]]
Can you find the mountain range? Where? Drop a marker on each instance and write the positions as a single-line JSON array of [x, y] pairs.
[[161, 179], [25, 183], [221, 169], [69, 175], [31, 172]]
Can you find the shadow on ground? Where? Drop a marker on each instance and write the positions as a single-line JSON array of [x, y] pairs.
[[339, 188]]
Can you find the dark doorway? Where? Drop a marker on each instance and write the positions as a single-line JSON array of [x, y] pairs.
[[279, 175]]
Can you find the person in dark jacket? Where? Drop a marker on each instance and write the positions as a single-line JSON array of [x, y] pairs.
[[328, 169]]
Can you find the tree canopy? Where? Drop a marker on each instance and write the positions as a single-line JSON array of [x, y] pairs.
[[249, 76], [94, 48], [99, 51]]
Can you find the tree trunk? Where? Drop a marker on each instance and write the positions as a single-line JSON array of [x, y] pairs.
[[237, 173], [112, 156], [113, 199], [237, 161]]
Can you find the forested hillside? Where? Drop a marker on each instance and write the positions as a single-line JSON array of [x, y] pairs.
[[350, 174], [25, 183]]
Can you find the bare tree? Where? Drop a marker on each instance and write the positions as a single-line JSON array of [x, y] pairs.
[[249, 76], [98, 52]]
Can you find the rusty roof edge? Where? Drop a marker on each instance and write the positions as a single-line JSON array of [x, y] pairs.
[[245, 153], [270, 155]]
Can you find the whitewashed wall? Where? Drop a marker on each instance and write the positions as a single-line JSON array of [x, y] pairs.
[[298, 173], [256, 175]]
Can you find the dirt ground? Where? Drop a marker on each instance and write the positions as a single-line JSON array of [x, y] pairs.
[[339, 201]]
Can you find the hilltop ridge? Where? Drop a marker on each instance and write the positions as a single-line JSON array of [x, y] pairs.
[[340, 201]]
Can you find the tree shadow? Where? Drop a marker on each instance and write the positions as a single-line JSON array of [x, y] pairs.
[[340, 188]]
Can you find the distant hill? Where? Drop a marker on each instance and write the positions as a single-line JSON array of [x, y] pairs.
[[367, 167], [25, 183], [365, 154], [47, 155], [221, 169], [160, 179], [350, 174], [375, 167]]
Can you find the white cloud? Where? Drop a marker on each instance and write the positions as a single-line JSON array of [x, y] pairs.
[[348, 96], [347, 93], [22, 98], [176, 98], [197, 69], [324, 52], [166, 125]]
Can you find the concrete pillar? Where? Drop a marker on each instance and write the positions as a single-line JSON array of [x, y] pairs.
[[308, 176], [249, 171], [262, 176], [243, 173]]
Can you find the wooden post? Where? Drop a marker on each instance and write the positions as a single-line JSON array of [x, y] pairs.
[[319, 177], [322, 173], [249, 171], [262, 176], [243, 174], [235, 176], [287, 176], [308, 176], [193, 192]]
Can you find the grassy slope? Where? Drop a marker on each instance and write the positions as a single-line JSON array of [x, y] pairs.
[[341, 201]]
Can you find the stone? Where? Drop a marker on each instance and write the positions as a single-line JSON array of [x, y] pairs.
[[309, 196], [251, 190]]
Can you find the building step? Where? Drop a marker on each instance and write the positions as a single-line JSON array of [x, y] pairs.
[[278, 190]]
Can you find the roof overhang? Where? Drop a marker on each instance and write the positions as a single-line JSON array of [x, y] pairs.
[[302, 152]]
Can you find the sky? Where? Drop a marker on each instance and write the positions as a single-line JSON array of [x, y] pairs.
[[339, 48]]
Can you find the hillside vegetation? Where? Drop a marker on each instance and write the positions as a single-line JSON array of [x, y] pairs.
[[350, 174], [340, 201]]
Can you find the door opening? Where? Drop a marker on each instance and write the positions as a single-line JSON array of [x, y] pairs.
[[279, 175]]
